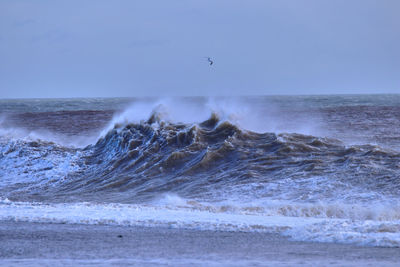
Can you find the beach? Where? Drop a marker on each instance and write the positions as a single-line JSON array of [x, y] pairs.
[[47, 244], [200, 133]]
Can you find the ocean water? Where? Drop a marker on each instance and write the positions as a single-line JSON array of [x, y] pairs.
[[313, 168]]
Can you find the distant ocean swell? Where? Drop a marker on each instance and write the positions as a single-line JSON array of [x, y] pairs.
[[209, 175]]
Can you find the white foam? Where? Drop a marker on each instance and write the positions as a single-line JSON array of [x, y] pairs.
[[22, 163], [343, 230]]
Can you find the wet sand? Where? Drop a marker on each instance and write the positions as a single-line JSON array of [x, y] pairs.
[[45, 244]]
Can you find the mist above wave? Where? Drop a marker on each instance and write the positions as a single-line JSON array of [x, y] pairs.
[[246, 113], [79, 128]]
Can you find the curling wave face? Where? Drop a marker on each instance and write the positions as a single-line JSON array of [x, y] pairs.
[[209, 175]]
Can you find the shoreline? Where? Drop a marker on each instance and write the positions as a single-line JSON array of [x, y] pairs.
[[37, 244]]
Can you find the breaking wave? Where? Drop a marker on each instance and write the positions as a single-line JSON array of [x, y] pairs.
[[214, 157]]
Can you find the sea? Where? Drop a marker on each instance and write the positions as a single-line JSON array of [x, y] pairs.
[[322, 168]]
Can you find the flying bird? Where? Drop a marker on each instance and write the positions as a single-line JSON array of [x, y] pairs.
[[209, 60]]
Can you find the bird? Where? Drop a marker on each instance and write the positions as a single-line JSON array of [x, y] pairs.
[[209, 60]]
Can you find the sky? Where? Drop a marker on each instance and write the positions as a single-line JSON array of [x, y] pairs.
[[131, 48]]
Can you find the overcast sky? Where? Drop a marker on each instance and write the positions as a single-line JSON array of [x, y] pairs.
[[148, 48]]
